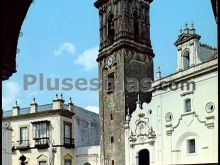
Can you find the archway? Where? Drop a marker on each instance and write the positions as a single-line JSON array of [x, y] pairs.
[[87, 164], [144, 157]]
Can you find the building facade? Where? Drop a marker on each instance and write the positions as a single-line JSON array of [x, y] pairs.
[[6, 143], [52, 132], [180, 124]]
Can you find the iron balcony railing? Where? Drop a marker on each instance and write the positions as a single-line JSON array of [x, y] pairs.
[[23, 145], [69, 142], [43, 108], [42, 142]]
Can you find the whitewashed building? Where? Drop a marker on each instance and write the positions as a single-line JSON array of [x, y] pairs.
[[180, 124], [6, 143], [53, 132]]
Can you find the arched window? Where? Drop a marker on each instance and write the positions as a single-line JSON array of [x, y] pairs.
[[136, 26], [187, 105], [111, 30], [87, 164], [186, 59]]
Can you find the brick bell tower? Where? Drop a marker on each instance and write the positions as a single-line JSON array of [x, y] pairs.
[[125, 67]]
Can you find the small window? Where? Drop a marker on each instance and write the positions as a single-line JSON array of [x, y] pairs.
[[68, 162], [111, 82], [87, 164], [111, 116], [113, 162], [111, 30], [42, 163], [136, 26], [41, 133], [68, 134], [191, 146], [112, 139], [186, 60], [187, 105], [23, 135]]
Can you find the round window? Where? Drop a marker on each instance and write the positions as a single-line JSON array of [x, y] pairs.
[[169, 116], [210, 107]]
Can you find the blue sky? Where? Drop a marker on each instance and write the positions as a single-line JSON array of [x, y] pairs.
[[60, 39]]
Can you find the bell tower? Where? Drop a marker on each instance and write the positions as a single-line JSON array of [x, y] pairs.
[[125, 68]]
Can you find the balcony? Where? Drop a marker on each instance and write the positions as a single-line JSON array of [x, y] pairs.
[[69, 143], [41, 143], [23, 145]]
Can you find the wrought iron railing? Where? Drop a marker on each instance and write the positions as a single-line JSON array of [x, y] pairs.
[[7, 113], [23, 111], [43, 108], [42, 142], [23, 145], [69, 142]]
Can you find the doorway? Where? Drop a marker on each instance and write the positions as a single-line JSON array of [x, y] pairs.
[[144, 157]]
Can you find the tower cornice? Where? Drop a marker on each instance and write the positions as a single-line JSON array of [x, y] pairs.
[[100, 3], [123, 43]]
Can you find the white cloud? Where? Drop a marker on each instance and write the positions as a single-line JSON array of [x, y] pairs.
[[93, 109], [88, 59], [10, 95], [66, 47]]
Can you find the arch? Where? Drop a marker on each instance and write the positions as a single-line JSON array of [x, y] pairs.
[[144, 157], [111, 30], [68, 156], [42, 157], [186, 59], [87, 164], [136, 25], [183, 137]]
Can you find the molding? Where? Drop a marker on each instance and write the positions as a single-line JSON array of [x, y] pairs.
[[59, 112], [207, 123]]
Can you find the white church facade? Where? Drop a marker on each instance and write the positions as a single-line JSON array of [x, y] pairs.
[[180, 124]]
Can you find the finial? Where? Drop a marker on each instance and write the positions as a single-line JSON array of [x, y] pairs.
[[158, 73], [128, 115], [56, 96], [34, 101], [61, 96], [186, 25], [158, 69], [192, 28], [16, 103], [192, 25], [138, 101], [70, 100], [181, 31]]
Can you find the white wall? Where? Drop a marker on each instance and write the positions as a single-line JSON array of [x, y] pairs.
[[6, 144], [56, 133], [89, 155], [86, 127], [170, 143]]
